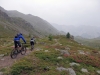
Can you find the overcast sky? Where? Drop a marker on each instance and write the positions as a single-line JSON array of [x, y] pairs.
[[63, 12]]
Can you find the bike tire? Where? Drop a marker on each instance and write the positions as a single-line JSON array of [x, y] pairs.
[[13, 54], [23, 50], [32, 47]]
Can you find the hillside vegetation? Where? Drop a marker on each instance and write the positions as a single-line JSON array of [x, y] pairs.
[[94, 43], [57, 56]]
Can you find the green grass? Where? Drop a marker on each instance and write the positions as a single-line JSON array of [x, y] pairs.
[[45, 63]]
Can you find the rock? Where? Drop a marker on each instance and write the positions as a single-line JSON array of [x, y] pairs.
[[60, 44], [84, 70], [59, 57], [56, 49], [64, 52], [73, 63], [46, 51], [81, 52], [71, 71], [98, 71], [1, 55], [38, 49], [61, 69]]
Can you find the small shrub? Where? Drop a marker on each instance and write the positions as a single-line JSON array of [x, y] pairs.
[[68, 35], [50, 37]]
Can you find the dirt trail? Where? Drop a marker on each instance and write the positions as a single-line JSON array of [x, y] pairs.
[[7, 61]]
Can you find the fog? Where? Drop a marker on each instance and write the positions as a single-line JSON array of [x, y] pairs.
[[62, 12]]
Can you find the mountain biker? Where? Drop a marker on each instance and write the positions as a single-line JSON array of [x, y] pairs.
[[32, 41], [17, 40]]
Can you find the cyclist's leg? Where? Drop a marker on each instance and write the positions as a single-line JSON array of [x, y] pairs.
[[32, 44], [19, 44], [16, 46], [15, 43]]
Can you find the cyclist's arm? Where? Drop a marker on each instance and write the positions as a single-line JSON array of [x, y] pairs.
[[23, 39]]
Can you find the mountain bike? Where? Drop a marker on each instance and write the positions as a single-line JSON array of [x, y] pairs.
[[32, 47], [15, 52]]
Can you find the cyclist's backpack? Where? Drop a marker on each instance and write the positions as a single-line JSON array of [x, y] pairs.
[[32, 40]]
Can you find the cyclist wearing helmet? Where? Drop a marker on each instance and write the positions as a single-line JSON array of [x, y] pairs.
[[17, 40], [32, 41]]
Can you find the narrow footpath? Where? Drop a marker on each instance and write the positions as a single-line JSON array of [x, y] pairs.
[[7, 61]]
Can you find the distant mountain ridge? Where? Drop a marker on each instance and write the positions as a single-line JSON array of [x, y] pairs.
[[38, 25], [82, 30]]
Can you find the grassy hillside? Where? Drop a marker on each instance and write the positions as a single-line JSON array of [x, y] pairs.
[[94, 43], [57, 56]]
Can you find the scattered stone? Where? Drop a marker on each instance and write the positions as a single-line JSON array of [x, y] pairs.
[[64, 52], [84, 70], [46, 51], [1, 55], [61, 69], [60, 44], [73, 63], [56, 49], [81, 52], [98, 71], [59, 57], [71, 71]]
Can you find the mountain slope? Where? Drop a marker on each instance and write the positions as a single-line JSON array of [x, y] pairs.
[[32, 24], [10, 26], [42, 26]]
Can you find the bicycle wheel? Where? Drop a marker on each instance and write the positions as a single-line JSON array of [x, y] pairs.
[[32, 47], [13, 54], [23, 50]]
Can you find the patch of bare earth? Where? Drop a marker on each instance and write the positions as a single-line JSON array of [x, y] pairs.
[[7, 61]]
